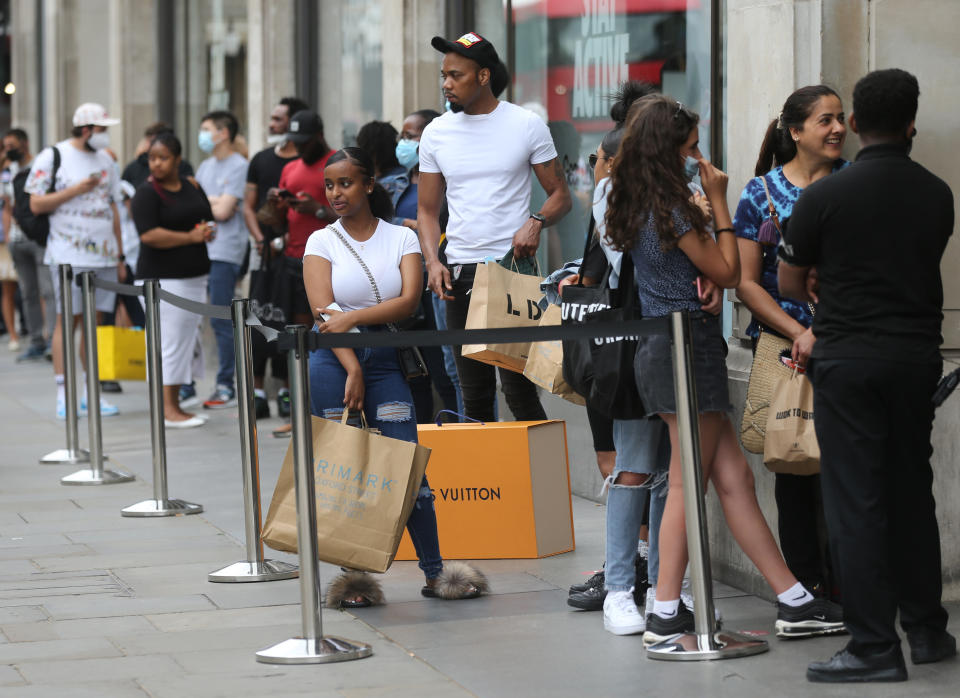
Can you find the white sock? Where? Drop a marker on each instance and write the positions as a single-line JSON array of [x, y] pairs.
[[83, 382], [260, 392], [666, 609], [797, 595], [61, 391]]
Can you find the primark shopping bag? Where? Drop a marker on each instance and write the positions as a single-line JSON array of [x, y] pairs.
[[366, 485], [121, 353], [544, 365], [502, 298], [790, 445]]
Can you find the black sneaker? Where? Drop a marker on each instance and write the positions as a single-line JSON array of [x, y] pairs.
[[660, 629], [596, 580], [283, 403], [816, 617], [261, 407], [641, 583], [588, 600], [110, 387]]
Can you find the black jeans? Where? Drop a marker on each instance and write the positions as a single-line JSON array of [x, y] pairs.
[[478, 381], [800, 522], [873, 421]]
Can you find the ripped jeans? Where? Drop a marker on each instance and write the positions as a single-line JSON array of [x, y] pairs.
[[388, 406], [643, 446]]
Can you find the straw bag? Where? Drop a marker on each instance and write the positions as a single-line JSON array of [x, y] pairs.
[[766, 371]]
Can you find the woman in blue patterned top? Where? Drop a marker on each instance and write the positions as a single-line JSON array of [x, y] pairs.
[[652, 214], [801, 145]]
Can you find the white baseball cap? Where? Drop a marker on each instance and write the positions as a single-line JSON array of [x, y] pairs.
[[92, 114]]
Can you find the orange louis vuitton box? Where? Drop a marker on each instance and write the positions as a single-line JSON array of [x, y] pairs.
[[501, 490]]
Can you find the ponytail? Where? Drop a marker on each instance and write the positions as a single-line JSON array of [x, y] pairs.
[[381, 206], [778, 146]]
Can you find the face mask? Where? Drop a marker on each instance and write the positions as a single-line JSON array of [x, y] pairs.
[[99, 140], [205, 141], [407, 153], [691, 167], [276, 138], [14, 155]]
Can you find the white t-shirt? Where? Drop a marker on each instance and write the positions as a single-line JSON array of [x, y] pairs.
[[485, 160], [227, 176], [14, 234], [381, 253], [81, 229]]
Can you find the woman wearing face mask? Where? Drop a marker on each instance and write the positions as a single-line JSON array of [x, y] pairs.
[[372, 271], [407, 152], [650, 215], [803, 144]]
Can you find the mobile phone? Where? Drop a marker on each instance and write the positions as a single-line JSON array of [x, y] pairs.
[[285, 194], [699, 289]]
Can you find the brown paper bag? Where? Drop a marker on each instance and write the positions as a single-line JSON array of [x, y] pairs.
[[366, 486], [791, 444], [502, 298], [544, 365]]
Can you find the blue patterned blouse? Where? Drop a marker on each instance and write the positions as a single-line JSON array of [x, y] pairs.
[[752, 211]]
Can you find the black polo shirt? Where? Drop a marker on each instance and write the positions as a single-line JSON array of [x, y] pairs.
[[876, 232]]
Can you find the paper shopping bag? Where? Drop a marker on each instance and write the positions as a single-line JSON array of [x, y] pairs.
[[366, 485], [544, 365], [502, 298], [790, 445], [121, 354]]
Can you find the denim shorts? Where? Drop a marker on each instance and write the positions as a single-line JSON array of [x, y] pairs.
[[653, 368]]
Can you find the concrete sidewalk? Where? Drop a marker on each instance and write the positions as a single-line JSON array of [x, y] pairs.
[[94, 604]]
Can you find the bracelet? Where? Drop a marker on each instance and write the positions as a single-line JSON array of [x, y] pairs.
[[724, 230], [121, 258]]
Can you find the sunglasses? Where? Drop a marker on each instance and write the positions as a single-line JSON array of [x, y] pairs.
[[593, 158]]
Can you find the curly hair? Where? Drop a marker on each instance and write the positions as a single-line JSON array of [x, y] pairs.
[[647, 178], [628, 93], [885, 101], [778, 147]]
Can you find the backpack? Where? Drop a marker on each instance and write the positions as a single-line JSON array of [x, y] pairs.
[[35, 226]]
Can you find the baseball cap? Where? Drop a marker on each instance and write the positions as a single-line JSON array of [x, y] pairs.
[[303, 126], [473, 46], [92, 114]]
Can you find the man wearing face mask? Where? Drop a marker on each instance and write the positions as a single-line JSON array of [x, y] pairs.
[[84, 221], [223, 178]]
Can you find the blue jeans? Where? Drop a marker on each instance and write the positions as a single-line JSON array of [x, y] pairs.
[[222, 284], [388, 406], [643, 446], [449, 363]]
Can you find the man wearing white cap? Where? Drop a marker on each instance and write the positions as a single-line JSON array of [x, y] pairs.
[[76, 182]]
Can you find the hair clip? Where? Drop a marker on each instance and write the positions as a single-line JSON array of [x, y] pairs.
[[780, 121]]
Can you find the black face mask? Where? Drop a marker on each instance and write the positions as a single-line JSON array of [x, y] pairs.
[[14, 155], [311, 151]]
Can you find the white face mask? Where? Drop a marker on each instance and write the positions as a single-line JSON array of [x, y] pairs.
[[99, 140], [276, 138]]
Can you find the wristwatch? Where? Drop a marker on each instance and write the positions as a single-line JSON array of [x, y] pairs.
[[539, 217], [121, 258]]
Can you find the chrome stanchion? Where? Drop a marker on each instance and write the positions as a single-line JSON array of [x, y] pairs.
[[161, 504], [705, 642], [72, 454], [312, 647], [95, 474], [254, 568]]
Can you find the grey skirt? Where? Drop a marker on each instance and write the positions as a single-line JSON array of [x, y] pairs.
[[653, 368]]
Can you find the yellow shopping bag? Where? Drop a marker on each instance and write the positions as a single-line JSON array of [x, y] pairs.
[[121, 354]]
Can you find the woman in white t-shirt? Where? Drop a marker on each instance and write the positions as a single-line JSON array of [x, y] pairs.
[[361, 273]]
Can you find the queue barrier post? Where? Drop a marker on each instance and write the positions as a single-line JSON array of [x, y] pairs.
[[254, 568], [161, 504], [312, 647], [706, 642], [95, 474], [72, 454]]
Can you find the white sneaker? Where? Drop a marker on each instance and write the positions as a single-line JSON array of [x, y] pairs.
[[686, 597], [620, 614], [651, 599]]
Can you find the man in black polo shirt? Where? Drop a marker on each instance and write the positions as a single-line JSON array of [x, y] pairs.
[[875, 234]]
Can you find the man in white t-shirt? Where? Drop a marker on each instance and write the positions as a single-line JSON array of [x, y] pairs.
[[481, 154], [84, 221]]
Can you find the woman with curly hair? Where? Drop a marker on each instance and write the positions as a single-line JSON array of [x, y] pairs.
[[652, 215]]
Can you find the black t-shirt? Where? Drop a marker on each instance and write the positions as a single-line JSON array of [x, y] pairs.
[[875, 231], [264, 171], [138, 170], [175, 210]]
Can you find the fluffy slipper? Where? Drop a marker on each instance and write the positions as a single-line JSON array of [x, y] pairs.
[[458, 581], [344, 590]]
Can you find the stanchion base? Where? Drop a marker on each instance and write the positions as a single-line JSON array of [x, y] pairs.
[[104, 477], [690, 647], [66, 456], [325, 649], [161, 507], [262, 571]]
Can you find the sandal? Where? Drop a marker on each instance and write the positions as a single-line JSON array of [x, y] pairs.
[[457, 581], [283, 432], [344, 591]]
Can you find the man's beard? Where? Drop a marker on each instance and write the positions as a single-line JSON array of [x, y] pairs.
[[455, 107], [312, 151]]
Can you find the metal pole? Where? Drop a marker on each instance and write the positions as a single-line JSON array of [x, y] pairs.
[[311, 647], [95, 474], [255, 568], [72, 454], [161, 504], [706, 642]]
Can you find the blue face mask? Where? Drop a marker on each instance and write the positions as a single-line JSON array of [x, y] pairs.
[[407, 153], [205, 141], [691, 167]]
